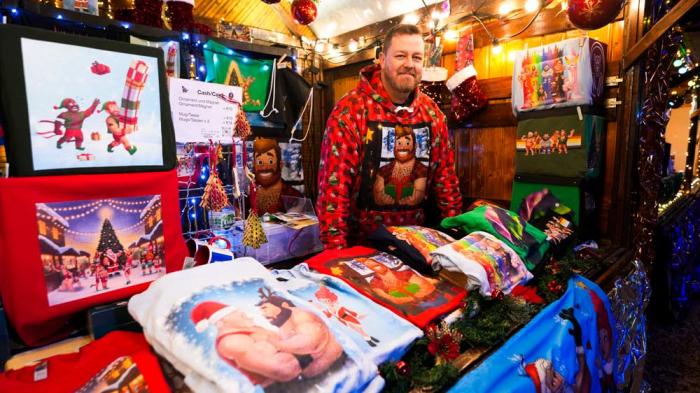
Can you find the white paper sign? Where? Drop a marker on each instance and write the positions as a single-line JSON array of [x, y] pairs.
[[203, 111]]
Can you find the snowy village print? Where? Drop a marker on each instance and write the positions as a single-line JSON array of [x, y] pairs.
[[93, 246], [92, 108]]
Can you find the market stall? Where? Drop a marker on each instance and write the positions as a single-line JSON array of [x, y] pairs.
[[228, 197]]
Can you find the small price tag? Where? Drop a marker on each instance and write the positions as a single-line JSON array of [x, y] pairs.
[[41, 372]]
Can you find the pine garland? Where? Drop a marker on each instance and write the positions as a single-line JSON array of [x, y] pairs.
[[485, 322]]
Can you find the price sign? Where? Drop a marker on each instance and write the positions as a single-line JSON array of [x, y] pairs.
[[203, 111]]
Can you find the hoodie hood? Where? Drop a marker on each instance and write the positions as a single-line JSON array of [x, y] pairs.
[[371, 84]]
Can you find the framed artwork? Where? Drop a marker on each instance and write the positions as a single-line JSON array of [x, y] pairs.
[[78, 105]]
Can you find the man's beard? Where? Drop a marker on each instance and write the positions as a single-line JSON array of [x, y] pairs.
[[403, 87], [267, 181], [282, 317]]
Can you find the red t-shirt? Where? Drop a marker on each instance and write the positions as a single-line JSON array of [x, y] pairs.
[[117, 360], [389, 282]]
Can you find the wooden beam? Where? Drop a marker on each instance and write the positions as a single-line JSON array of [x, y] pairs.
[[657, 31]]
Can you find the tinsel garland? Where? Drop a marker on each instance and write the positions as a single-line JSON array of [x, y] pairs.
[[148, 12]]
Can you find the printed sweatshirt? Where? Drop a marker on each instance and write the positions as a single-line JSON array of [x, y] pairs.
[[362, 181]]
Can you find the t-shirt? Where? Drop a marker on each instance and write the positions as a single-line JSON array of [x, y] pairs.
[[119, 360], [231, 327], [376, 330], [488, 263], [526, 240], [389, 282], [412, 244]]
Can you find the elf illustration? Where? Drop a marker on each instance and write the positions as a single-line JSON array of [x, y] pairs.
[[116, 127], [403, 181], [72, 120], [343, 314]]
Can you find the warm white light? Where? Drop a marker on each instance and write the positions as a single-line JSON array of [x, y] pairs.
[[691, 83], [431, 24], [564, 5], [410, 19], [450, 35], [532, 5], [352, 45], [496, 49], [505, 8], [321, 46], [511, 55]]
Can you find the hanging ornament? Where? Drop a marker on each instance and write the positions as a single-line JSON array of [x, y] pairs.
[[403, 368], [181, 17], [592, 14], [304, 11], [253, 234], [214, 197]]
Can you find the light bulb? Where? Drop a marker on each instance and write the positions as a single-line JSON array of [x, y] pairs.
[[410, 19], [450, 35], [505, 8], [532, 5], [352, 45], [496, 49]]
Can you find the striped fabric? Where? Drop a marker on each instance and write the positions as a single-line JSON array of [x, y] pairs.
[[135, 81]]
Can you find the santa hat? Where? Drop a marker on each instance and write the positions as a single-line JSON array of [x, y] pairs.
[[65, 103], [537, 372], [208, 313]]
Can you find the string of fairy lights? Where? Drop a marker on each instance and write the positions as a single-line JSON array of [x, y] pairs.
[[94, 206]]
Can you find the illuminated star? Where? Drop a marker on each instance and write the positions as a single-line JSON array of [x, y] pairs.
[[368, 136]]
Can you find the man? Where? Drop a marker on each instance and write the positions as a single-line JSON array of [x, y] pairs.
[[302, 334], [402, 182], [386, 104], [116, 128], [245, 345], [72, 119], [267, 166]]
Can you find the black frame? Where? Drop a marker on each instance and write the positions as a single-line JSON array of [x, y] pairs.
[[14, 106]]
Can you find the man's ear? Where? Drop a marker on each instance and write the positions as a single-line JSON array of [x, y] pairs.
[[382, 59]]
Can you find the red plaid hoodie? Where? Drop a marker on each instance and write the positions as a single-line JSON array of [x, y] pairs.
[[352, 153]]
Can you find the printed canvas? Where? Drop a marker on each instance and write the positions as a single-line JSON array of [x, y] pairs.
[[93, 246], [92, 108]]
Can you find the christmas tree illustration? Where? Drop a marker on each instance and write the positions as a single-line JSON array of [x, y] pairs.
[[109, 240]]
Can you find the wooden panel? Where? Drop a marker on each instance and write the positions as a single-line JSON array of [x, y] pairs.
[[486, 161], [494, 115], [609, 177], [341, 86]]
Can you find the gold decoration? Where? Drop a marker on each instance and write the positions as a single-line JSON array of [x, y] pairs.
[[253, 234]]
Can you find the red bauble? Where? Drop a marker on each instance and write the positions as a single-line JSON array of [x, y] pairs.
[[593, 14], [304, 11]]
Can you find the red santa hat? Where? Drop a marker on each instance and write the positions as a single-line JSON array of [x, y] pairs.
[[208, 313], [537, 372]]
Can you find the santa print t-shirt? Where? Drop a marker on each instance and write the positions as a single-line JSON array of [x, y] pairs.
[[232, 327], [389, 282], [412, 244], [376, 330], [118, 359]]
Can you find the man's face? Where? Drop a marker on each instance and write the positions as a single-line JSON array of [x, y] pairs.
[[402, 64], [404, 148], [73, 107], [266, 168], [376, 267], [113, 110], [270, 311]]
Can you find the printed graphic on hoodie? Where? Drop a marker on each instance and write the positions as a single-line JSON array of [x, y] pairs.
[[395, 167]]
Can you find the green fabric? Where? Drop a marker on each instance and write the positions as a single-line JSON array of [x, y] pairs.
[[254, 74], [527, 241], [582, 157], [568, 195]]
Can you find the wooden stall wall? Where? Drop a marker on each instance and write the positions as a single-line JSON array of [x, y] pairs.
[[485, 150]]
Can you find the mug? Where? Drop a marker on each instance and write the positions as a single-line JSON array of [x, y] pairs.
[[207, 253]]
